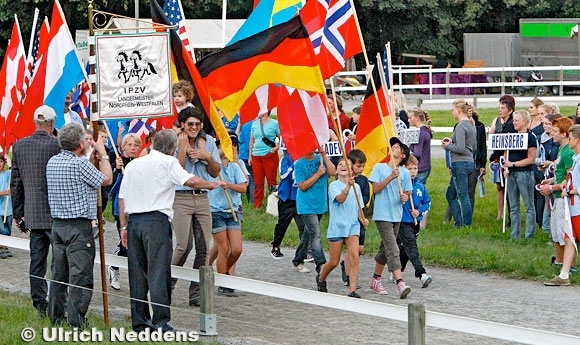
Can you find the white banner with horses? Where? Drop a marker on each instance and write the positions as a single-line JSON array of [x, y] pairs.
[[133, 76]]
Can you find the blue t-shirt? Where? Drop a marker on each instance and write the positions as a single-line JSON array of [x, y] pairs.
[[199, 168], [343, 221], [4, 185], [232, 125], [312, 200], [421, 202], [244, 141], [217, 198], [287, 188], [388, 205], [271, 130]]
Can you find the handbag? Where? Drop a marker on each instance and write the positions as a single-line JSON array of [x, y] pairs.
[[265, 139]]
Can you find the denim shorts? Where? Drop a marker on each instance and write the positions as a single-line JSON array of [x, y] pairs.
[[225, 221]]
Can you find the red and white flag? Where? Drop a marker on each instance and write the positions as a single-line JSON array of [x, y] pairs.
[[302, 120], [11, 81], [174, 12]]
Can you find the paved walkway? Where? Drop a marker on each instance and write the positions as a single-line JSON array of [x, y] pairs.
[[254, 319]]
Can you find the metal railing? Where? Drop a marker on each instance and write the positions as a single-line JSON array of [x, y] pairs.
[[505, 81]]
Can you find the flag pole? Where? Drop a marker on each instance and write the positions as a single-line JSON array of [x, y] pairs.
[[97, 164], [228, 199], [391, 103], [337, 126], [368, 67]]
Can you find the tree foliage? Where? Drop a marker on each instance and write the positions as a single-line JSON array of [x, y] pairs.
[[412, 26]]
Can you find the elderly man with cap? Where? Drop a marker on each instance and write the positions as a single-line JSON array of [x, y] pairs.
[[388, 212], [29, 194]]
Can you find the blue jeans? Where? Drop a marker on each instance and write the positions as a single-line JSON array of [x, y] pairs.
[[422, 176], [521, 183], [6, 228], [309, 238], [457, 193]]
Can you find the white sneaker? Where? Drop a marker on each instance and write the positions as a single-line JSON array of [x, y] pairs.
[[425, 280], [114, 278], [391, 279], [300, 268]]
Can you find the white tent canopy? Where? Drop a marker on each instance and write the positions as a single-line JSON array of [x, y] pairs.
[[203, 33]]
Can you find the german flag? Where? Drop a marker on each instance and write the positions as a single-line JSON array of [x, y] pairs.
[[282, 55], [370, 133]]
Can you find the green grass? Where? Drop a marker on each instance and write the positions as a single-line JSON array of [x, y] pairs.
[[444, 118], [17, 313], [483, 247]]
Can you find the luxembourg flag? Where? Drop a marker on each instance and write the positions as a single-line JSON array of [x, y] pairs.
[[66, 70]]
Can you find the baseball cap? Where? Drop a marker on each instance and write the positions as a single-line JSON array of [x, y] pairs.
[[404, 148], [44, 113]]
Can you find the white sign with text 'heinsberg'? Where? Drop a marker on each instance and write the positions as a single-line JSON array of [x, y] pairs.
[[508, 141]]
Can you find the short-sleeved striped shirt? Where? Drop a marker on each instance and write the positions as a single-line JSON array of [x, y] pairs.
[[72, 186]]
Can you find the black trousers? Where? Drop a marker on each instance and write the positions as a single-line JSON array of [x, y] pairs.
[[149, 242], [40, 240], [73, 250], [286, 212]]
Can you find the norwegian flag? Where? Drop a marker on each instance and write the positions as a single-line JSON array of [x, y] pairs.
[[11, 81], [174, 11], [81, 99], [333, 30]]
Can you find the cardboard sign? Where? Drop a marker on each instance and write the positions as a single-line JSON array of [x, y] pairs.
[[332, 149], [508, 141], [410, 136]]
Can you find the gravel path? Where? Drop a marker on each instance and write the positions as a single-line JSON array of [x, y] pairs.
[[254, 319]]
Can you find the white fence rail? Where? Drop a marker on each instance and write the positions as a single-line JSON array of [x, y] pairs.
[[484, 328], [505, 81]]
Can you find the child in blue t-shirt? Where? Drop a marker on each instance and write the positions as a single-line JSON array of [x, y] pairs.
[[343, 226], [409, 229], [358, 159]]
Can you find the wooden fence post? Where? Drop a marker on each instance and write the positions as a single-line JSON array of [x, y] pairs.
[[207, 317], [416, 323]]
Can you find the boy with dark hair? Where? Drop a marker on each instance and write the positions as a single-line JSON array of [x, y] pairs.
[[358, 159], [388, 212]]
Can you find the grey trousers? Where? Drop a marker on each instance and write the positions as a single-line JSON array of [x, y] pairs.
[[149, 249], [73, 250]]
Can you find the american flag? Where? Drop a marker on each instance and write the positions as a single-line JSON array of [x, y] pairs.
[[82, 97], [174, 11], [32, 51]]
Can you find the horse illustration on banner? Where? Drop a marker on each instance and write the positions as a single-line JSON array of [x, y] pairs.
[[124, 70], [133, 66], [140, 66]]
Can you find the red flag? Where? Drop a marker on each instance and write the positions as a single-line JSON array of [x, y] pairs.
[[302, 120], [34, 96], [264, 99], [332, 27], [12, 79], [370, 133]]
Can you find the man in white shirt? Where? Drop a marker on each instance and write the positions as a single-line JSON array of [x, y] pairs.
[[145, 212], [71, 115]]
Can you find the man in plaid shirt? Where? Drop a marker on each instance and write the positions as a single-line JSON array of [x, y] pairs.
[[72, 197]]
